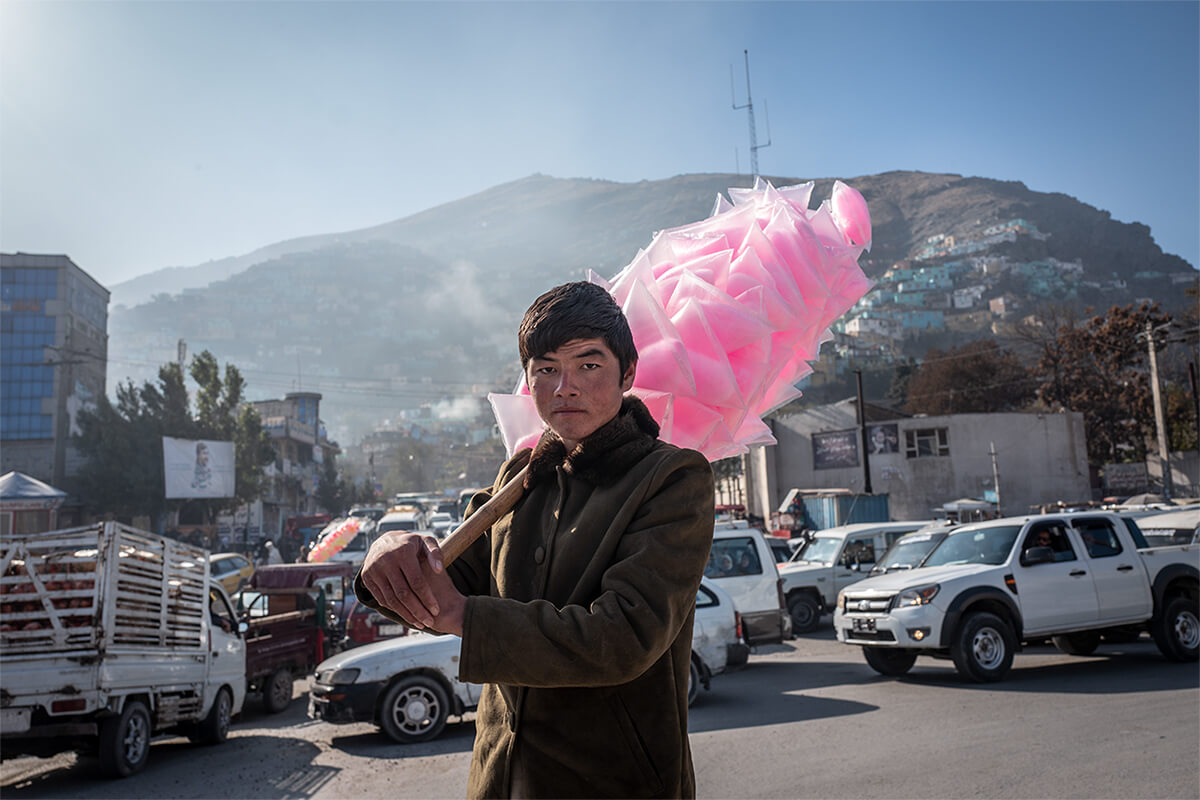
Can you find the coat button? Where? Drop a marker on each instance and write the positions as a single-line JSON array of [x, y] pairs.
[[539, 555]]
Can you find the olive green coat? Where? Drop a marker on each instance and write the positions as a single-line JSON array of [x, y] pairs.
[[579, 618]]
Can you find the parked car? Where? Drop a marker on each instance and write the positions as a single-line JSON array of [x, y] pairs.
[[717, 641], [409, 686], [441, 523], [741, 563], [911, 549], [365, 625], [231, 570]]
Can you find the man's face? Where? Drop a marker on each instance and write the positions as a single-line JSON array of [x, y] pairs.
[[577, 388]]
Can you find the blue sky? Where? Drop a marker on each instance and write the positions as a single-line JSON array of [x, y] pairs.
[[135, 136]]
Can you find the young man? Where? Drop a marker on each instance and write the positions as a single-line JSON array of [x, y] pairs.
[[575, 610]]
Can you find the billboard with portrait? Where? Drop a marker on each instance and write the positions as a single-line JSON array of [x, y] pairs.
[[883, 439], [197, 468]]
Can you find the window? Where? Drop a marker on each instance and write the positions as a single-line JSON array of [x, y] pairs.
[[732, 557], [1098, 537], [705, 598], [923, 442], [1052, 535], [858, 551]]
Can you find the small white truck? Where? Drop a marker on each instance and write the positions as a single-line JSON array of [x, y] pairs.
[[834, 558], [990, 587], [108, 636]]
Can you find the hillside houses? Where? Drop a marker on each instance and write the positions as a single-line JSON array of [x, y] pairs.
[[959, 284]]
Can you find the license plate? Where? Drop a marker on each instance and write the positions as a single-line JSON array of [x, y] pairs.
[[391, 630], [867, 625], [14, 720]]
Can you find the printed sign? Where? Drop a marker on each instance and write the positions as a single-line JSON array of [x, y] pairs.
[[835, 450], [197, 469]]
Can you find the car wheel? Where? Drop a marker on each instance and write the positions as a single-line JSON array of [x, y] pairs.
[[693, 682], [414, 709], [277, 691], [805, 614], [1177, 631], [125, 741], [887, 661], [983, 648], [1083, 643], [214, 728]]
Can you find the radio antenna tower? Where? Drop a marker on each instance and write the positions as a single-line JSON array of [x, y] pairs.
[[754, 145]]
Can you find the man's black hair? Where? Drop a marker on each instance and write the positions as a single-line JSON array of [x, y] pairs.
[[579, 310]]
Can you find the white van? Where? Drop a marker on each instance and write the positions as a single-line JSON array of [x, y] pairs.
[[742, 564]]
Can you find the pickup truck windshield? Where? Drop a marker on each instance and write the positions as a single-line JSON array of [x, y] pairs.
[[989, 545], [907, 552], [821, 550]]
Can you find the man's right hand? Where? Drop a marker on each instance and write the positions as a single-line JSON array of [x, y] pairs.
[[399, 572]]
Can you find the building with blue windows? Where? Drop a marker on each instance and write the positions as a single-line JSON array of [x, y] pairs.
[[53, 361]]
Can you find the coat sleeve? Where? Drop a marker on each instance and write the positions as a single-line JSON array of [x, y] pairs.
[[647, 593]]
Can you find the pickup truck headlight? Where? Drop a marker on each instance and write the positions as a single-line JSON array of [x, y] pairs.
[[841, 600], [919, 596], [333, 677]]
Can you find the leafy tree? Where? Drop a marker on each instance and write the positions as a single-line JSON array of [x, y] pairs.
[[334, 493], [1099, 367], [975, 378], [122, 443]]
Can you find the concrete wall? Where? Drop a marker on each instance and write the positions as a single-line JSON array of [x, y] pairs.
[[1040, 458]]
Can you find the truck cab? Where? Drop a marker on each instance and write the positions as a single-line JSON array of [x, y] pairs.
[[833, 559]]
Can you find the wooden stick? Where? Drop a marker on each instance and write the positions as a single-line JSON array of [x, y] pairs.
[[474, 526]]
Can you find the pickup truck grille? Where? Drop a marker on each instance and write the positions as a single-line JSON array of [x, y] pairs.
[[866, 605], [870, 636]]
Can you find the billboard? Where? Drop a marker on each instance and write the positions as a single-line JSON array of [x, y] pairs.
[[883, 439], [834, 450], [197, 468]]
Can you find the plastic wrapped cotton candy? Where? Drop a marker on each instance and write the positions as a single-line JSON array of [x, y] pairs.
[[335, 541], [728, 312]]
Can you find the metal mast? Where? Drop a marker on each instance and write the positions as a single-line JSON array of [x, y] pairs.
[[749, 106]]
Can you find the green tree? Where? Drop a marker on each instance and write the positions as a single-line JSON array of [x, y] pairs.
[[976, 378], [122, 443], [334, 493]]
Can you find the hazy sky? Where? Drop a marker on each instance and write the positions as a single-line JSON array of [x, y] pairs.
[[140, 135]]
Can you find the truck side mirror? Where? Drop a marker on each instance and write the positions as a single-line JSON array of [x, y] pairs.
[[1037, 555]]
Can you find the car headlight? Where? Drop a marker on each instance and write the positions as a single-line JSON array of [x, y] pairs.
[[332, 677], [841, 600], [921, 595]]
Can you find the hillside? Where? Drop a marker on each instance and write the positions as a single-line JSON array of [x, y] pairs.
[[425, 307]]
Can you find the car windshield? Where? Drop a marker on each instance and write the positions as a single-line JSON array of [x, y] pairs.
[[975, 545], [906, 553], [821, 550]]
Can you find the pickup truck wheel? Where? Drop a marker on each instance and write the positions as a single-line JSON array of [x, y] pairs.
[[1177, 631], [414, 710], [125, 741], [887, 661], [805, 614], [983, 648], [214, 728], [1083, 643], [277, 691]]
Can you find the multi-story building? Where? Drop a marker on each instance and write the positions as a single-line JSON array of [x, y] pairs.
[[301, 448], [53, 361]]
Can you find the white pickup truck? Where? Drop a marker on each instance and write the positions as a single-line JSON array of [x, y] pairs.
[[109, 635], [991, 586]]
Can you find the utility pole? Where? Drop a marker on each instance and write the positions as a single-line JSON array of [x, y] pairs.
[[995, 478], [862, 434], [1164, 454]]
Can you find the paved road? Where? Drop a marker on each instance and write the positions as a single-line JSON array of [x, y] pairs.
[[807, 719]]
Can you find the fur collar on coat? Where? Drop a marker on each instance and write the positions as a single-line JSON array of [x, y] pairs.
[[604, 456]]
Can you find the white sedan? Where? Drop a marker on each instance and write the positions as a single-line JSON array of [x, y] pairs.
[[409, 686]]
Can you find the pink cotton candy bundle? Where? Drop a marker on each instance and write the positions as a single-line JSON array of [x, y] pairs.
[[728, 312], [335, 541]]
